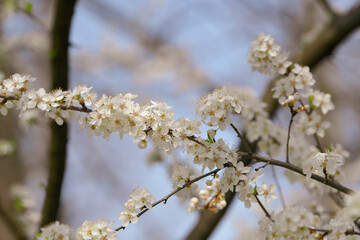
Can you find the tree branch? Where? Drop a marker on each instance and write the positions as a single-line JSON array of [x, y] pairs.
[[294, 168], [243, 140], [59, 74], [288, 134], [279, 186], [164, 199], [263, 208]]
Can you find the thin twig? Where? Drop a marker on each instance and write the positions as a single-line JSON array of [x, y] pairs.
[[326, 231], [318, 144], [33, 17], [164, 199], [278, 185], [264, 166], [243, 140], [263, 208], [293, 113], [193, 138], [337, 199], [294, 168], [83, 108], [8, 97]]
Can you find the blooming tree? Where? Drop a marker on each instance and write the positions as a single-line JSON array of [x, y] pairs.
[[226, 169]]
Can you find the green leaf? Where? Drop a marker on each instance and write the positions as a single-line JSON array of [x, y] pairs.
[[28, 7], [255, 193], [18, 205], [209, 139], [311, 100]]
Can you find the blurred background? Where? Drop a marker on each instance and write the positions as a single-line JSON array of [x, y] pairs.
[[167, 50]]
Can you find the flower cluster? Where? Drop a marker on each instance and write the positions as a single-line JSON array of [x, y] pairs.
[[121, 115], [247, 192], [265, 56], [210, 154], [13, 87], [56, 231], [210, 198], [140, 199], [97, 230], [294, 88], [16, 88], [320, 163], [218, 105], [180, 176], [352, 206], [231, 177], [339, 227], [54, 102], [291, 223]]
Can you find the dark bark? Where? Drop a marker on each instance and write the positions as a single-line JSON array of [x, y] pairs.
[[59, 134]]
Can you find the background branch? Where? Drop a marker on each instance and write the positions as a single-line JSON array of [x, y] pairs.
[[59, 75]]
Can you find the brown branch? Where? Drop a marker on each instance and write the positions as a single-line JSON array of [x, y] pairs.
[[60, 74], [164, 199], [318, 143], [294, 168], [326, 231], [243, 140], [293, 114], [83, 108], [263, 208], [34, 18], [6, 98], [278, 185]]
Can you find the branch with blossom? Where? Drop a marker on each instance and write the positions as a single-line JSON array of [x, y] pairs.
[[154, 121]]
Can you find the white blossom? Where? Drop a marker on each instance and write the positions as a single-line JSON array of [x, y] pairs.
[[264, 55], [291, 223], [267, 191], [180, 176], [142, 198], [56, 231], [96, 230], [283, 89], [217, 106]]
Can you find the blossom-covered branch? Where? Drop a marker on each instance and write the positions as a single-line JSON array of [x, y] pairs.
[[154, 121], [128, 217]]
